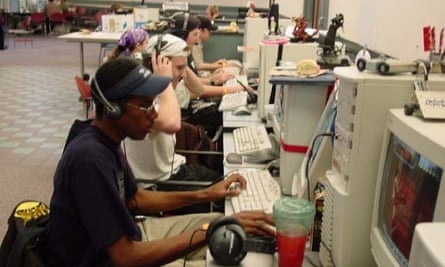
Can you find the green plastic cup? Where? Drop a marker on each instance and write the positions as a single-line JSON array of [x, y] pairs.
[[293, 219]]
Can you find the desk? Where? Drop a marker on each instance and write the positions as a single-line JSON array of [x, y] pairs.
[[231, 121], [266, 260], [93, 37], [252, 259]]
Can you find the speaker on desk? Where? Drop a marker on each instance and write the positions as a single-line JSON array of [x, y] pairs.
[[226, 241]]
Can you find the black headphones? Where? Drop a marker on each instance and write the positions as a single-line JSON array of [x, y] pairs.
[[146, 58], [159, 45], [186, 21], [181, 32], [226, 241], [113, 111]]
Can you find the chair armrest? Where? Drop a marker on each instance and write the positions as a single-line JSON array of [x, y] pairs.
[[199, 152], [175, 182]]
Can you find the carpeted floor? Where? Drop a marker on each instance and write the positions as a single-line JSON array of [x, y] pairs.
[[39, 101]]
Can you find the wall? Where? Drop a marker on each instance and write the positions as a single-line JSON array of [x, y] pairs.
[[393, 27], [287, 7]]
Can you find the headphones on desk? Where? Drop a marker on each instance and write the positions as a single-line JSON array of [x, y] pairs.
[[113, 110], [226, 241]]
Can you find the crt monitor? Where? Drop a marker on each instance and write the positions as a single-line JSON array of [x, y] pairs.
[[410, 187]]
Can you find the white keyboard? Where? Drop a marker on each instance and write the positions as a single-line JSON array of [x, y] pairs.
[[262, 190], [233, 100], [248, 140], [237, 80]]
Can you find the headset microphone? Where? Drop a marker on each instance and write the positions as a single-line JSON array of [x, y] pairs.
[[112, 110]]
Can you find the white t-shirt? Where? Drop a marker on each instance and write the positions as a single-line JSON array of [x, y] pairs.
[[152, 157], [183, 94]]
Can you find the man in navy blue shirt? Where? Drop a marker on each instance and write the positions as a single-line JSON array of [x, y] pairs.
[[96, 198]]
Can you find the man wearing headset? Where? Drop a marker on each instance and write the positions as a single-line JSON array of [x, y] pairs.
[[154, 157], [188, 28], [206, 28], [95, 196]]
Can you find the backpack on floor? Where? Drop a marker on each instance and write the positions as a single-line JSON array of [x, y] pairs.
[[26, 224]]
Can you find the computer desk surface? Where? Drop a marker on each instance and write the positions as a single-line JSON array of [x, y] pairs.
[[265, 260], [252, 259], [231, 121]]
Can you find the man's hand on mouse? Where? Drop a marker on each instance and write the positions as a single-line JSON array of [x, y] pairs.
[[222, 190]]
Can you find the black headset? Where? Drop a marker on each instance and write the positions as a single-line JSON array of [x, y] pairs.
[[146, 58], [181, 31], [186, 21], [226, 241], [113, 111]]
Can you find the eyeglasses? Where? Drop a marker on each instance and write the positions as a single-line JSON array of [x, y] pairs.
[[148, 110]]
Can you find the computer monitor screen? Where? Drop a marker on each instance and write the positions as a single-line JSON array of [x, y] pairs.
[[409, 186]]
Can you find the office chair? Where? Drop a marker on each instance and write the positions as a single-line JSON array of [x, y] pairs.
[[23, 35], [57, 18], [38, 21], [85, 96], [193, 142]]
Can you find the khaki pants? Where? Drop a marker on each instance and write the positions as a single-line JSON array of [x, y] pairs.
[[153, 228]]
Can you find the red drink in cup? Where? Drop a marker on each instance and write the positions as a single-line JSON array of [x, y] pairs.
[[291, 246], [293, 218]]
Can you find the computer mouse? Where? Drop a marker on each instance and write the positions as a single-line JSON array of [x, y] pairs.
[[234, 158], [261, 157], [241, 111]]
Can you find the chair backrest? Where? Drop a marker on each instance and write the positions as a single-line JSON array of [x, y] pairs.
[[98, 15], [82, 11], [37, 18], [27, 23], [84, 88], [57, 18]]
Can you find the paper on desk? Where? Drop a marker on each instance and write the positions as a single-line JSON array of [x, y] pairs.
[[294, 73]]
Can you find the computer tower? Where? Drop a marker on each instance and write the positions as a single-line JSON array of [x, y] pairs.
[[363, 103], [254, 31], [299, 104], [293, 52]]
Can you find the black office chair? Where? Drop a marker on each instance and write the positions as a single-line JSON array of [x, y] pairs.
[[193, 142]]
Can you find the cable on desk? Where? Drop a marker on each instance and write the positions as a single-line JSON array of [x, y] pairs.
[[190, 245]]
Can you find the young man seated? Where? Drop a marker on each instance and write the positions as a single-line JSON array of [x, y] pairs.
[[219, 66], [95, 197]]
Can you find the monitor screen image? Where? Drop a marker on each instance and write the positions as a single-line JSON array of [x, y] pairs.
[[409, 186], [411, 183]]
